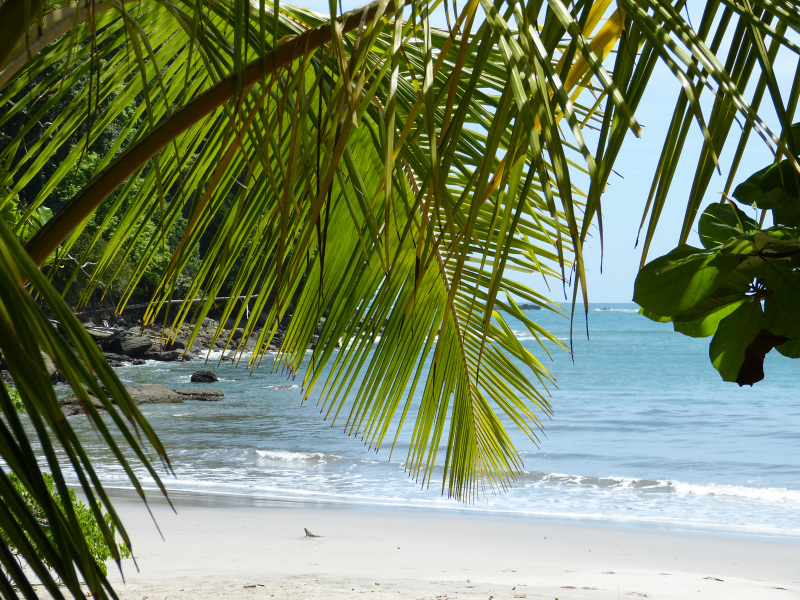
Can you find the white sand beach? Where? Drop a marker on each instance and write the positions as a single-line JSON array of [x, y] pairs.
[[224, 547]]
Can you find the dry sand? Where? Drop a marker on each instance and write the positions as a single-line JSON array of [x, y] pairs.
[[221, 547]]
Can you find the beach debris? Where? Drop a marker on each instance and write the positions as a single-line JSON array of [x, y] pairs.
[[309, 534], [711, 578]]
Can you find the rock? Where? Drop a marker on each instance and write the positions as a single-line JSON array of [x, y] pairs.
[[530, 307], [146, 394], [141, 394], [201, 395], [70, 405], [139, 361], [117, 360], [101, 336], [176, 345], [237, 334], [204, 377], [168, 356], [50, 367], [153, 394], [128, 344]]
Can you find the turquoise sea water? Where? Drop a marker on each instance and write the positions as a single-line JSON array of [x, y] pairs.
[[644, 432]]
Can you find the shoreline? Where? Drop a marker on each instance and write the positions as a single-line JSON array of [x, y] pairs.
[[218, 546], [227, 499]]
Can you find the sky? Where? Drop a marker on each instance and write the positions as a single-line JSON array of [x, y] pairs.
[[626, 196]]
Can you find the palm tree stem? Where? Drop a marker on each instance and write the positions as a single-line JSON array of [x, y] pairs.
[[80, 206], [14, 24], [16, 52]]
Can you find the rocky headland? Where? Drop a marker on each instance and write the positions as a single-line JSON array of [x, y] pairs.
[[147, 394]]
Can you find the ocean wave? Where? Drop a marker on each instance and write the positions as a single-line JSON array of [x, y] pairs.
[[230, 354], [621, 310], [523, 337], [767, 494], [737, 491], [294, 458]]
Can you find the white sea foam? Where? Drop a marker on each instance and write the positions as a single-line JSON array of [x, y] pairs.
[[667, 485], [737, 491], [290, 457]]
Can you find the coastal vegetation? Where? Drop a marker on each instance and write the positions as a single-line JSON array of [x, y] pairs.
[[371, 170]]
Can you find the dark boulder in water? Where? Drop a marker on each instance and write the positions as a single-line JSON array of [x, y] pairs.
[[204, 377]]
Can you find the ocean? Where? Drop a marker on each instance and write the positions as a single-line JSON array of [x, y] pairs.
[[643, 433]]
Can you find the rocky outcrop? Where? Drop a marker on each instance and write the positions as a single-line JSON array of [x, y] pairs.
[[123, 344], [167, 355], [128, 344], [201, 395], [530, 307], [153, 394], [147, 394], [204, 377], [117, 360]]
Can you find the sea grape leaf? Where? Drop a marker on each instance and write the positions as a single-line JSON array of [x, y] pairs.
[[775, 188], [782, 309], [720, 222], [734, 334], [705, 318], [752, 369], [654, 317], [676, 282], [777, 240]]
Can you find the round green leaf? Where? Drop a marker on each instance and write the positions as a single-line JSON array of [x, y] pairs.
[[708, 315], [720, 222], [782, 309], [678, 281], [734, 334]]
